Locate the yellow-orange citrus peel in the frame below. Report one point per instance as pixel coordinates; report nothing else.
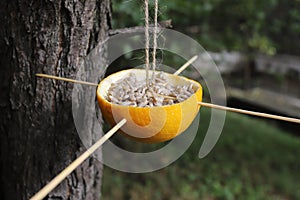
(150, 124)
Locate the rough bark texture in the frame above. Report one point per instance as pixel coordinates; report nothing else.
(37, 134)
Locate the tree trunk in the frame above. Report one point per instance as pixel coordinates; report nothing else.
(37, 133)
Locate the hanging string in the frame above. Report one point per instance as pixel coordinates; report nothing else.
(147, 40)
(154, 39)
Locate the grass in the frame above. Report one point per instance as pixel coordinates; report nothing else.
(252, 160)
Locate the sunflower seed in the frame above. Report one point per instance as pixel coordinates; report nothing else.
(131, 92)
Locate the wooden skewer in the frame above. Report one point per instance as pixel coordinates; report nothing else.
(259, 114)
(183, 67)
(52, 184)
(62, 175)
(66, 79)
(190, 61)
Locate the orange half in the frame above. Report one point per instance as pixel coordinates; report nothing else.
(150, 124)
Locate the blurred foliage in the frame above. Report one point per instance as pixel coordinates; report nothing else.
(247, 163)
(270, 26)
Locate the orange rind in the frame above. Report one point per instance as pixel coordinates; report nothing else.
(150, 124)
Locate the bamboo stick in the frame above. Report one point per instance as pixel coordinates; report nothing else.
(258, 114)
(62, 175)
(66, 79)
(52, 184)
(183, 67)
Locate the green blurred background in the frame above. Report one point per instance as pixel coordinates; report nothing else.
(254, 158)
(270, 26)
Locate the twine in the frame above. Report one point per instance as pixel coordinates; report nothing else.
(147, 40)
(154, 40)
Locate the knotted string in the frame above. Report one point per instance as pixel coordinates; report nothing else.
(154, 40)
(147, 40)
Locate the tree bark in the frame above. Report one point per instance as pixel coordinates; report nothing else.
(37, 133)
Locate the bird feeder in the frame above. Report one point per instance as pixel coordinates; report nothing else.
(150, 124)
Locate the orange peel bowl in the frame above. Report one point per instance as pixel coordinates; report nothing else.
(150, 124)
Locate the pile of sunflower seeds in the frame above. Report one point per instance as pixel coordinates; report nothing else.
(131, 92)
